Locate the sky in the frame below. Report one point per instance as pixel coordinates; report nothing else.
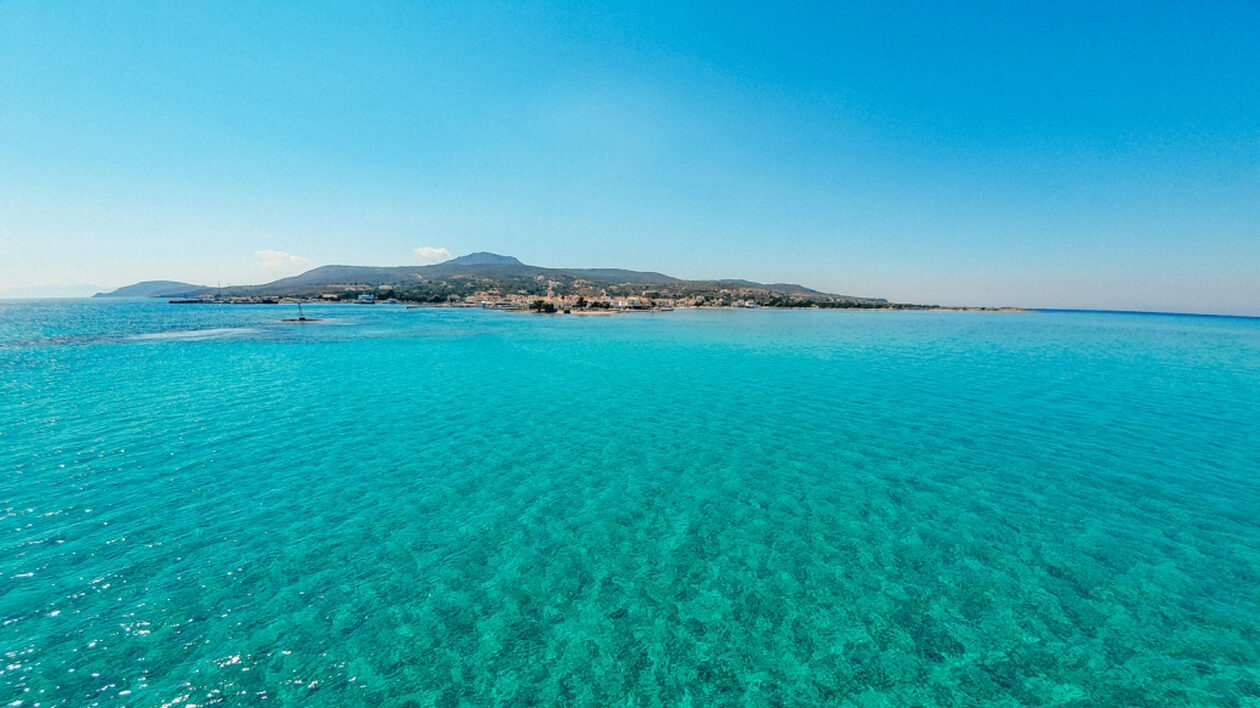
(1059, 154)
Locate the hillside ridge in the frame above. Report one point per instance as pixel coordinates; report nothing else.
(485, 277)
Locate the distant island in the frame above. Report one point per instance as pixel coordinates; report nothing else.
(492, 280)
(154, 288)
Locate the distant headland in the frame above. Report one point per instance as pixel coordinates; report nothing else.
(491, 280)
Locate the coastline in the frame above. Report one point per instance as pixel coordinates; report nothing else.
(600, 311)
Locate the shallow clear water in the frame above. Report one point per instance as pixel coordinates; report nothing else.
(200, 504)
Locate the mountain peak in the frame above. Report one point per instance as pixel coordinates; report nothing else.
(484, 258)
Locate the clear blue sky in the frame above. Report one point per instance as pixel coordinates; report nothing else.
(1040, 154)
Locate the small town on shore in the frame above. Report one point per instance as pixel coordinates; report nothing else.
(574, 304)
(492, 281)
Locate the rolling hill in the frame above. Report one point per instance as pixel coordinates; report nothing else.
(493, 275)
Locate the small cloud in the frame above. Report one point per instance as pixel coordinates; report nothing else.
(429, 254)
(277, 260)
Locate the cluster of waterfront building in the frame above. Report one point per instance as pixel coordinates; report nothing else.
(567, 303)
(501, 301)
(524, 301)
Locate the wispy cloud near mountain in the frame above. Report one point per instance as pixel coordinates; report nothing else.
(431, 254)
(279, 260)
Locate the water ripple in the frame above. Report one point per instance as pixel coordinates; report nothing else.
(750, 508)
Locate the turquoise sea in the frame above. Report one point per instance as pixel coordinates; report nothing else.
(201, 505)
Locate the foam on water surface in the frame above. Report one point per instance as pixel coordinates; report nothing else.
(196, 334)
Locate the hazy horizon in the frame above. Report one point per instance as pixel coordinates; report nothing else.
(1061, 156)
(87, 291)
